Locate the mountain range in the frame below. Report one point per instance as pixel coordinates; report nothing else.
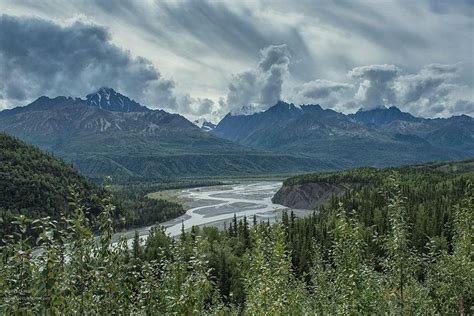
(377, 137)
(107, 133)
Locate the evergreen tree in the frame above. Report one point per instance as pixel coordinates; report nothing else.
(451, 276)
(136, 246)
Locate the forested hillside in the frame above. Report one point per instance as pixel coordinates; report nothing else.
(37, 185)
(374, 175)
(403, 244)
(431, 193)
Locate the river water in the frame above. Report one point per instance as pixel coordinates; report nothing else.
(216, 205)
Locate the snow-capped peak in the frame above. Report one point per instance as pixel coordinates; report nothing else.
(110, 100)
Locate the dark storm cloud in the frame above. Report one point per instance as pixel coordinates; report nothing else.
(200, 44)
(235, 31)
(40, 57)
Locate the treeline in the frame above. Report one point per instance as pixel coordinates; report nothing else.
(288, 268)
(374, 176)
(135, 209)
(359, 175)
(165, 184)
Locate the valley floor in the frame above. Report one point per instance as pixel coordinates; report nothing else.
(216, 206)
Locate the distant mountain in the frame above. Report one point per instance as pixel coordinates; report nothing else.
(105, 98)
(382, 115)
(63, 117)
(108, 99)
(121, 138)
(378, 137)
(455, 132)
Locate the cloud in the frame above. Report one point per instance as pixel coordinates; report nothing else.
(211, 39)
(463, 107)
(321, 89)
(200, 44)
(434, 90)
(242, 90)
(431, 81)
(439, 69)
(431, 91)
(257, 90)
(40, 57)
(230, 29)
(273, 66)
(194, 108)
(375, 88)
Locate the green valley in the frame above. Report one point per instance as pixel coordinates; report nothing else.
(399, 242)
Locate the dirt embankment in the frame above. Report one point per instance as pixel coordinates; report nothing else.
(308, 195)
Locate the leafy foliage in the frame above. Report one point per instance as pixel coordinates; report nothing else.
(258, 270)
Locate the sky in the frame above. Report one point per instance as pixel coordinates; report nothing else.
(204, 59)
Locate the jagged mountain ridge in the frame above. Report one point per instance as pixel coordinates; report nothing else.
(383, 115)
(104, 98)
(378, 137)
(73, 117)
(110, 100)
